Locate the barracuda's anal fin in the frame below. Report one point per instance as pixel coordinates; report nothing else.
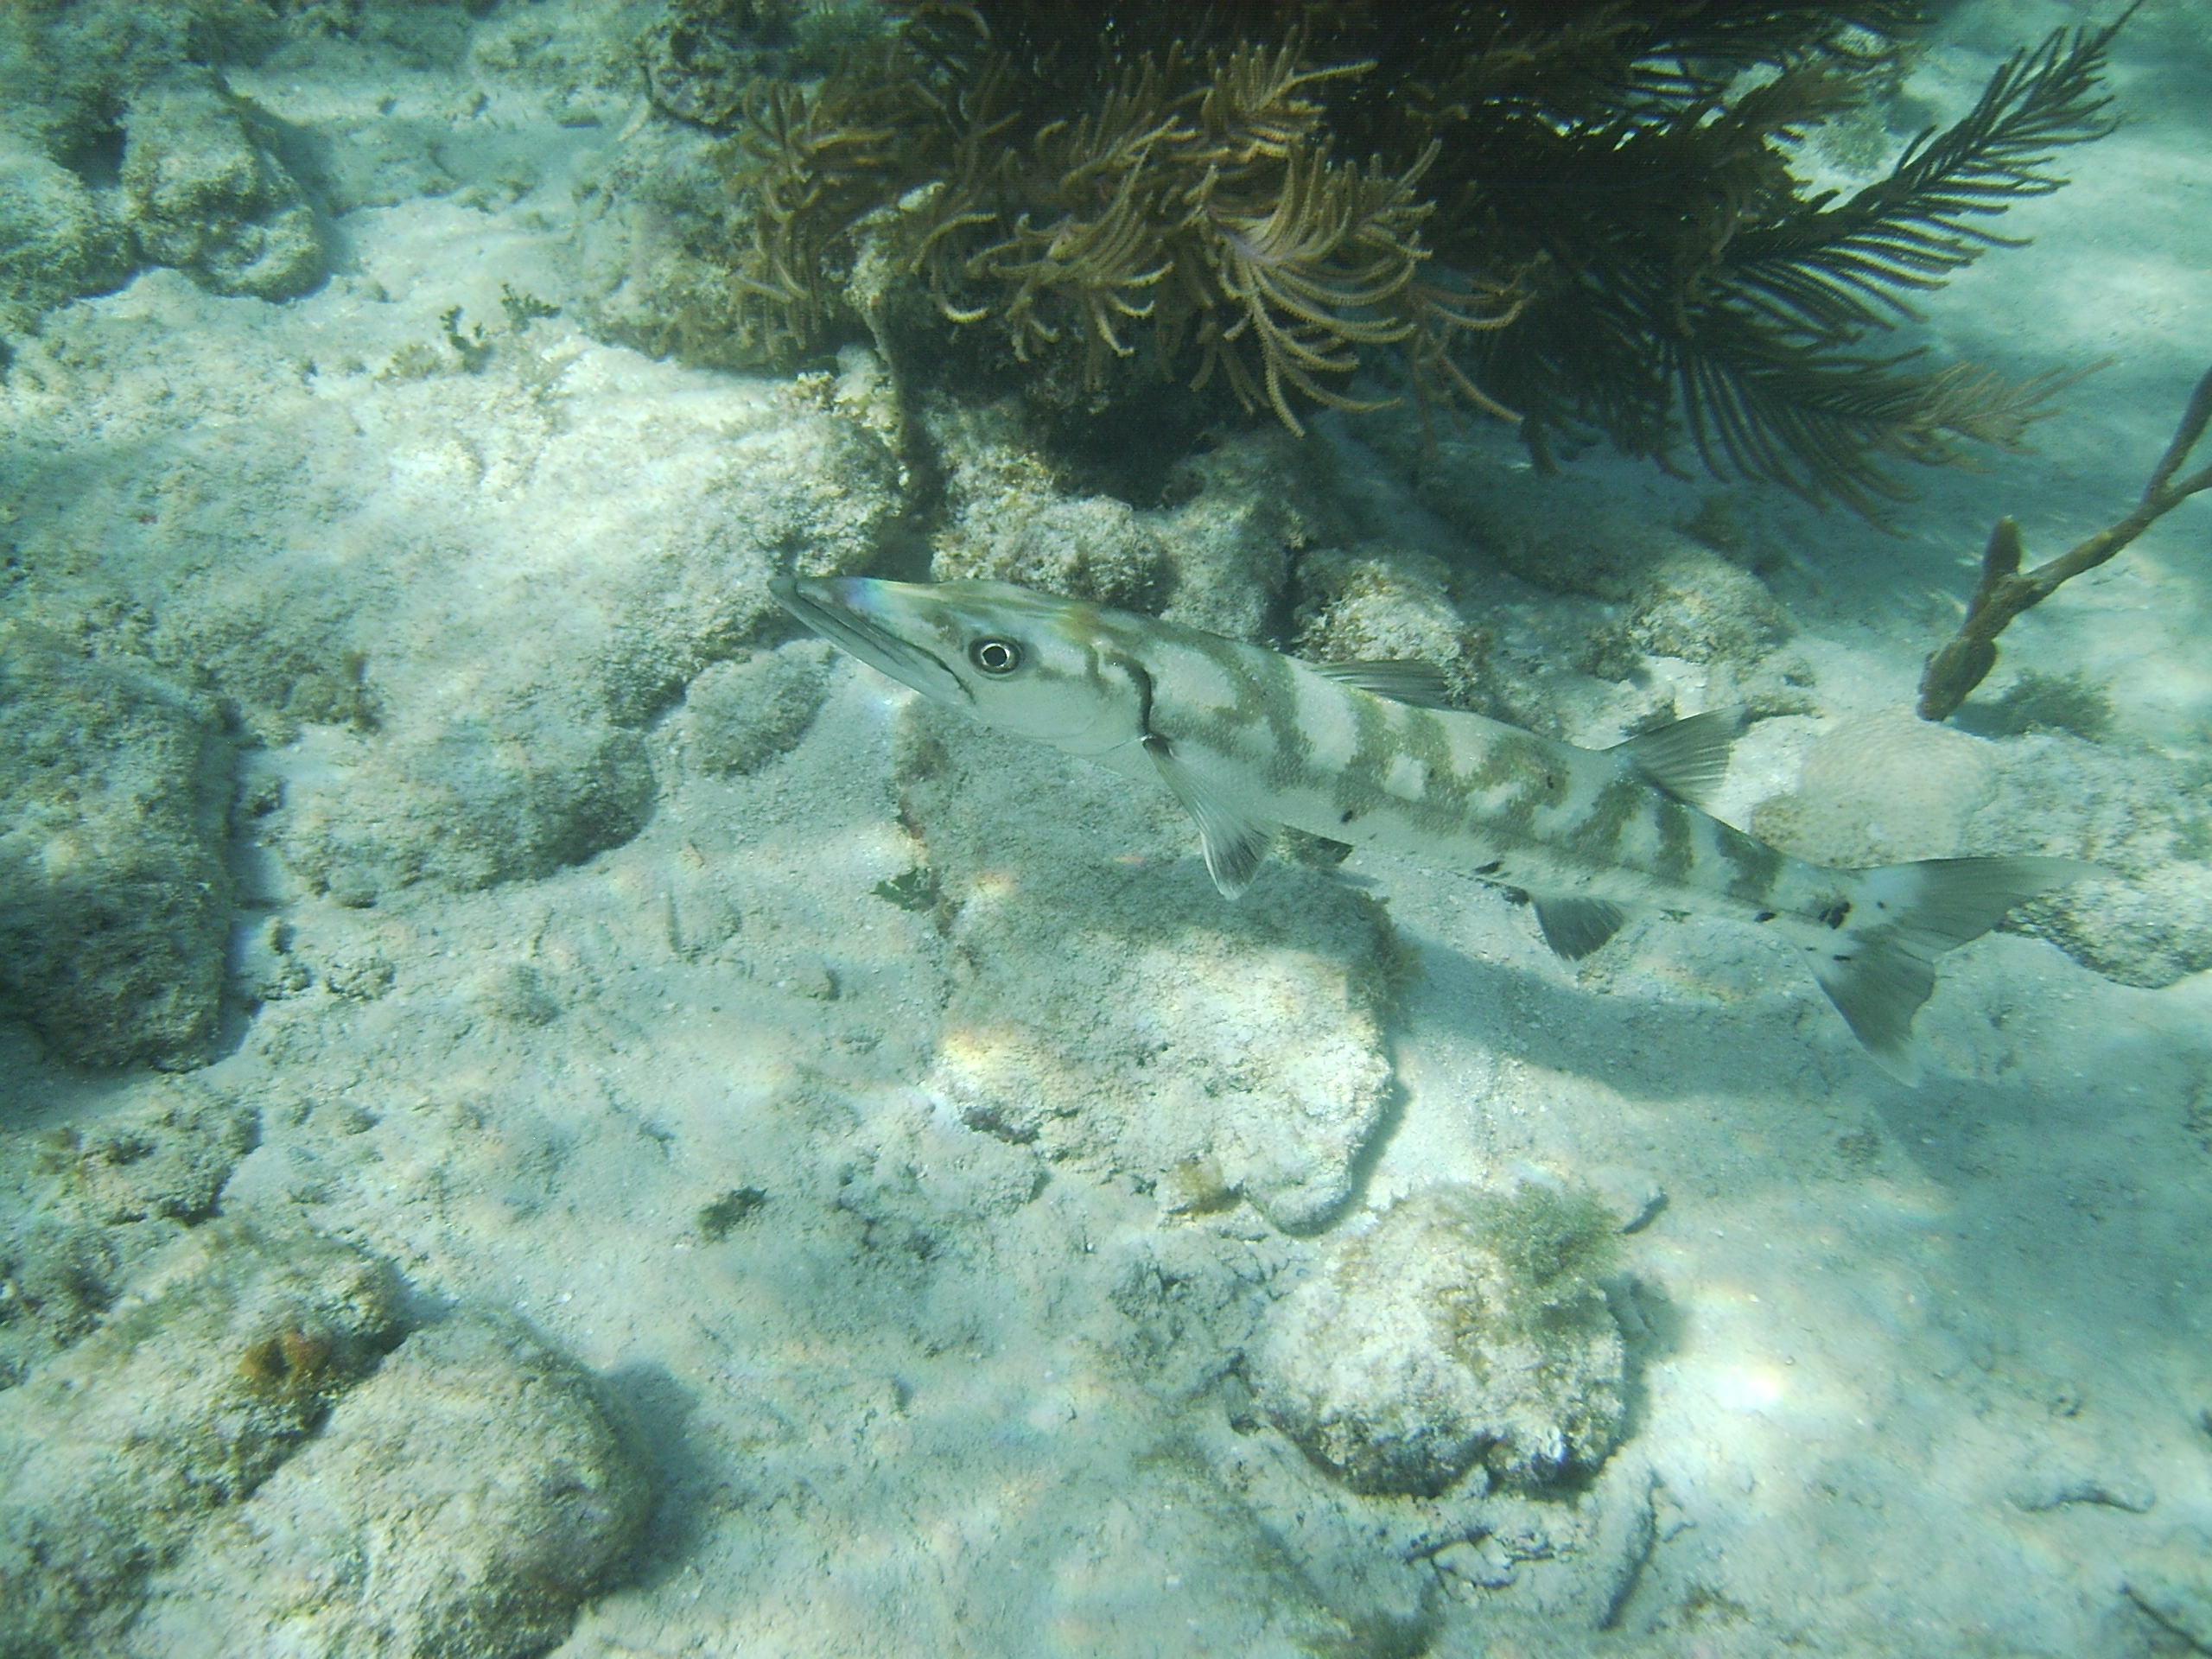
(1687, 759)
(1421, 684)
(1235, 843)
(1575, 927)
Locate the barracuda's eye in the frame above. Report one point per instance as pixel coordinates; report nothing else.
(995, 655)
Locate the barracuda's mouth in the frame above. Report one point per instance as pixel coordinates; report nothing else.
(827, 605)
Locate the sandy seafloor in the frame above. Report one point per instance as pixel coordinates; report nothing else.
(1919, 1370)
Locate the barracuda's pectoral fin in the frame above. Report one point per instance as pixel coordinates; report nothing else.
(1236, 843)
(1421, 684)
(1688, 758)
(1575, 927)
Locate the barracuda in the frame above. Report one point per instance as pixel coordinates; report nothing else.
(1250, 741)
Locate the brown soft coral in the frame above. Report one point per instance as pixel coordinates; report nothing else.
(1587, 214)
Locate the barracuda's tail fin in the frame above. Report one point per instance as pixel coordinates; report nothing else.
(1876, 959)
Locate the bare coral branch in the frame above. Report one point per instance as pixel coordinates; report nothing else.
(2006, 590)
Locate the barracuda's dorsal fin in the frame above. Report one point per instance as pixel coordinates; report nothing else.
(1689, 757)
(1236, 844)
(1575, 927)
(1421, 684)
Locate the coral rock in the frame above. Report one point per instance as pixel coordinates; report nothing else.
(59, 243)
(1380, 603)
(462, 1501)
(738, 716)
(1879, 791)
(115, 898)
(204, 195)
(1464, 1328)
(217, 1364)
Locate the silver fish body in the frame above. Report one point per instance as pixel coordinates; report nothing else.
(1251, 740)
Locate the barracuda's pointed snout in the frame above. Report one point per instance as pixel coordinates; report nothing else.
(815, 599)
(1055, 669)
(864, 617)
(792, 591)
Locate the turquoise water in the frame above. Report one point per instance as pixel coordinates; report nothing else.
(545, 1110)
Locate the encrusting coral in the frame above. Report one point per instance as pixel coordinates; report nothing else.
(1583, 217)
